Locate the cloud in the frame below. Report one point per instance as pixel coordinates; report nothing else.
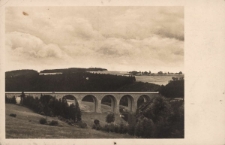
(143, 22)
(27, 44)
(28, 51)
(153, 47)
(115, 47)
(111, 37)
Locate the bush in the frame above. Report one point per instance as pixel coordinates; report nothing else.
(131, 129)
(54, 123)
(148, 126)
(96, 122)
(14, 100)
(97, 127)
(94, 126)
(139, 129)
(43, 121)
(106, 128)
(12, 115)
(116, 128)
(110, 118)
(10, 100)
(123, 128)
(111, 128)
(82, 124)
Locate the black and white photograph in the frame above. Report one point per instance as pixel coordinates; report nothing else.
(94, 72)
(108, 72)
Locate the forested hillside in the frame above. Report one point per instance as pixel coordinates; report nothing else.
(30, 80)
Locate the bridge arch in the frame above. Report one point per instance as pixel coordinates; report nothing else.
(70, 99)
(90, 99)
(109, 100)
(142, 99)
(126, 103)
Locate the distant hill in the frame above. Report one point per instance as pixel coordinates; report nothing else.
(19, 73)
(72, 70)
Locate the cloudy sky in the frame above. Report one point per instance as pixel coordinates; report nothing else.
(116, 38)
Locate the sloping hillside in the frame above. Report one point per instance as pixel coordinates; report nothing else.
(26, 125)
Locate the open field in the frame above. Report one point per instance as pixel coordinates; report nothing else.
(155, 79)
(26, 125)
(89, 107)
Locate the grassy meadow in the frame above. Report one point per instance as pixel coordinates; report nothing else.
(26, 125)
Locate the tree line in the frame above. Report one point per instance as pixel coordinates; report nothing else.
(174, 89)
(50, 106)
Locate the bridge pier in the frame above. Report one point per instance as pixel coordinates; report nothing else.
(79, 102)
(134, 106)
(98, 106)
(130, 103)
(117, 107)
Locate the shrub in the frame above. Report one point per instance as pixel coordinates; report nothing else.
(138, 129)
(14, 100)
(97, 127)
(12, 115)
(106, 128)
(148, 126)
(131, 129)
(94, 126)
(54, 123)
(43, 121)
(82, 124)
(10, 100)
(96, 122)
(116, 128)
(111, 127)
(122, 128)
(110, 118)
(144, 128)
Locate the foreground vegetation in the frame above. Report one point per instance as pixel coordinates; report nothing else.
(26, 125)
(50, 106)
(157, 118)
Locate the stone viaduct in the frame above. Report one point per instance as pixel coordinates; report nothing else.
(132, 98)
